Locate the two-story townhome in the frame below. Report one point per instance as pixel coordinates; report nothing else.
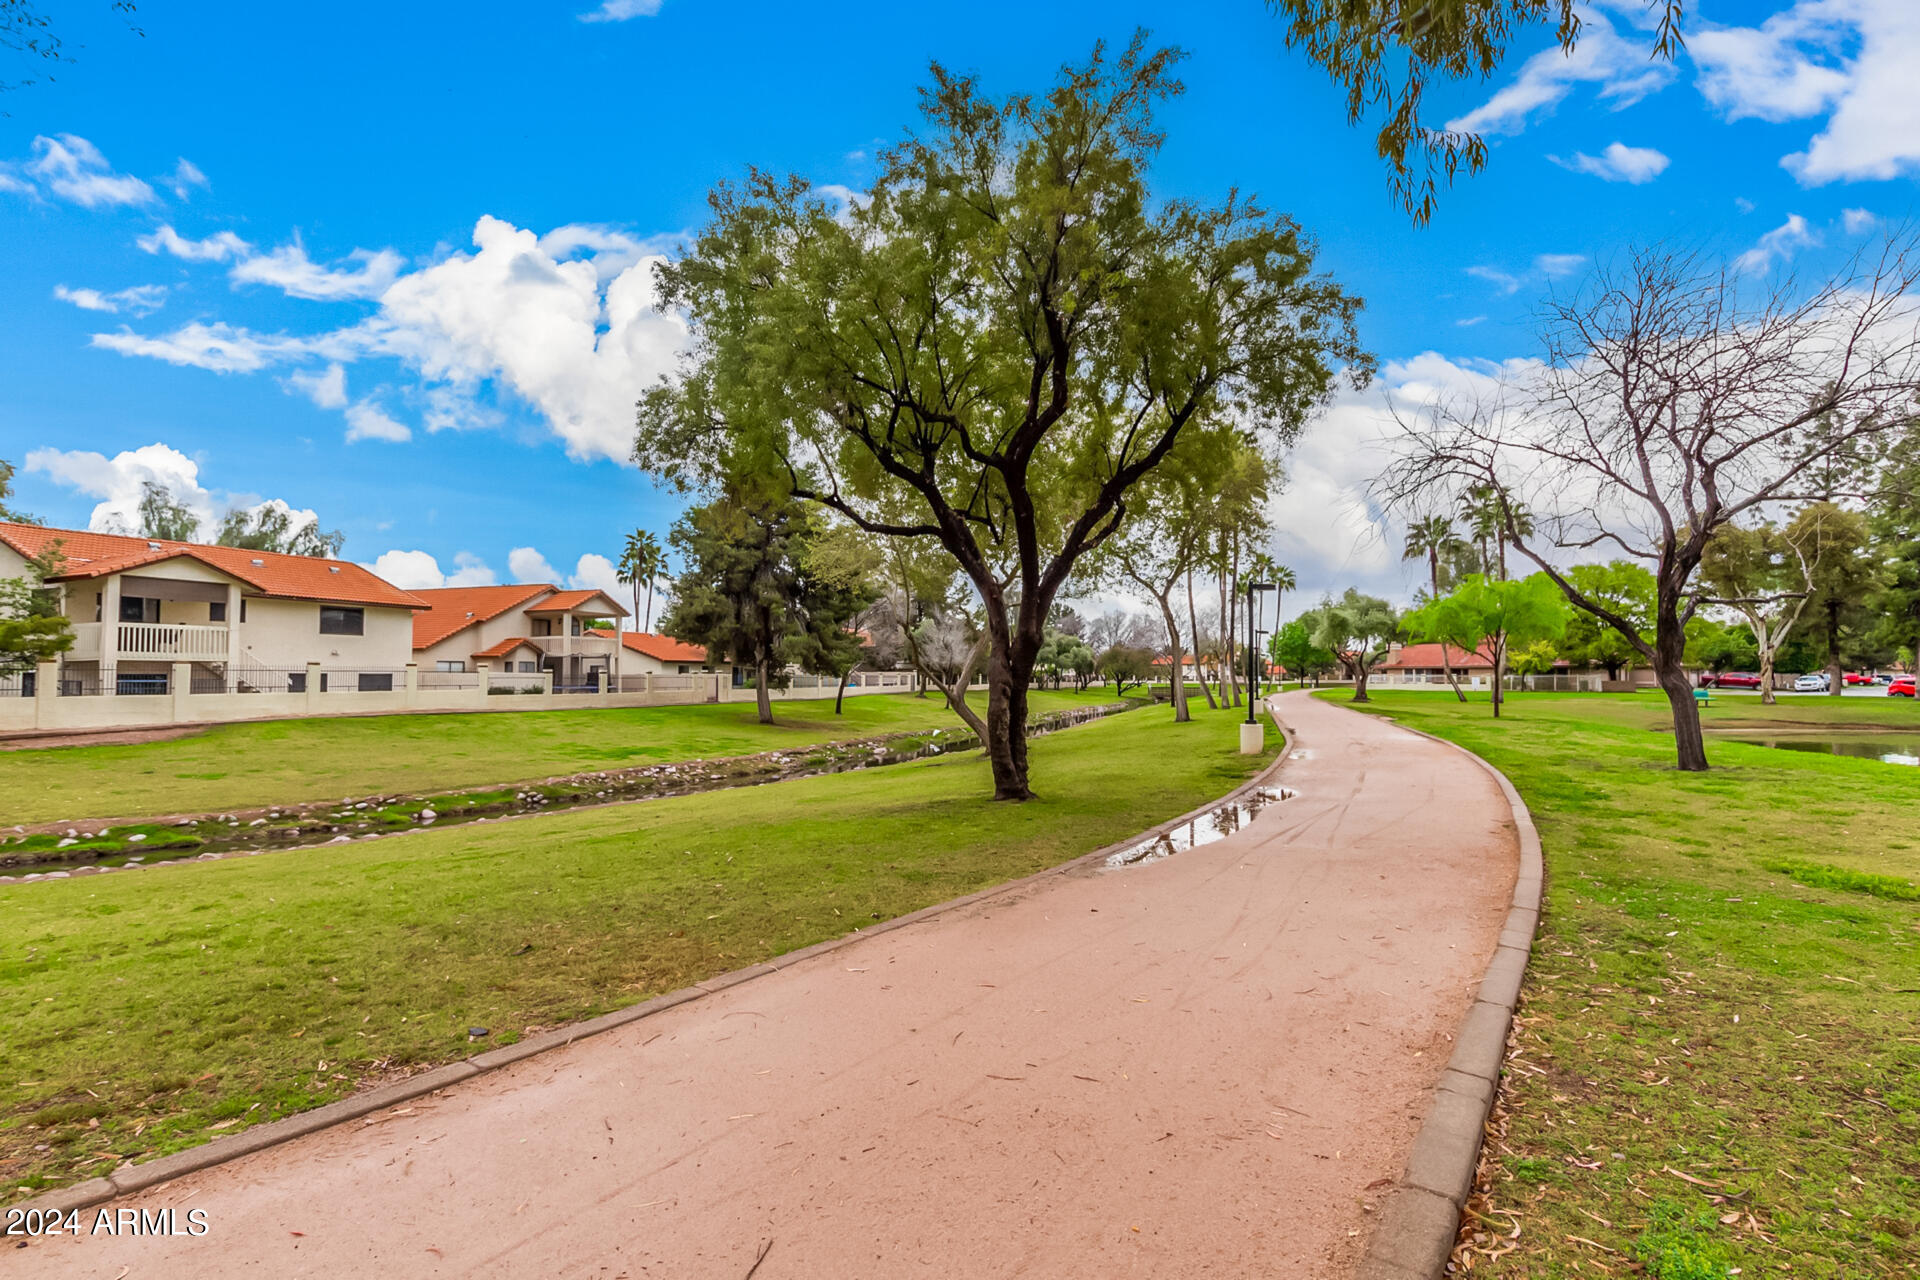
(241, 620)
(527, 628)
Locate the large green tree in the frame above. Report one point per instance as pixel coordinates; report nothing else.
(1766, 576)
(1843, 578)
(994, 345)
(743, 587)
(1624, 590)
(1358, 630)
(1494, 615)
(1432, 539)
(271, 527)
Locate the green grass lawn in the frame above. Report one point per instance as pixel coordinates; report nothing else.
(1720, 1030)
(288, 761)
(146, 1011)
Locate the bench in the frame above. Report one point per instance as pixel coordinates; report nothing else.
(1703, 696)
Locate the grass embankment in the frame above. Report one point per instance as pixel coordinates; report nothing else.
(1720, 1032)
(239, 766)
(146, 1012)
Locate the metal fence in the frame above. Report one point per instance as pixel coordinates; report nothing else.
(17, 684)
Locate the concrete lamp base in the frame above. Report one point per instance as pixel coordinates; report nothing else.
(1253, 739)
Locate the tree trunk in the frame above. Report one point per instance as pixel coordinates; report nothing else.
(1446, 661)
(1834, 676)
(1669, 668)
(763, 695)
(646, 623)
(1193, 618)
(1766, 670)
(1006, 737)
(1229, 669)
(1360, 674)
(841, 696)
(1499, 675)
(1178, 690)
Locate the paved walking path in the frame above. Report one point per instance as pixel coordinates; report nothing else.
(1200, 1066)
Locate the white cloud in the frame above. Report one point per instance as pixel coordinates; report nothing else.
(575, 337)
(597, 573)
(117, 482)
(1858, 221)
(1620, 67)
(1778, 244)
(1849, 61)
(327, 389)
(141, 299)
(621, 10)
(418, 570)
(73, 169)
(1328, 526)
(1744, 205)
(1618, 163)
(217, 247)
(290, 270)
(185, 177)
(1507, 282)
(547, 330)
(591, 572)
(1556, 265)
(10, 183)
(368, 421)
(1470, 321)
(528, 565)
(219, 347)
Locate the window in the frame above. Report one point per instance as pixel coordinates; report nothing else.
(139, 609)
(217, 611)
(376, 682)
(527, 668)
(243, 610)
(457, 664)
(338, 620)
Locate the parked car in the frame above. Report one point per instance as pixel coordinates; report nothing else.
(1812, 682)
(1735, 680)
(1902, 687)
(1852, 678)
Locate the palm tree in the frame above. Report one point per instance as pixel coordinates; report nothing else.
(642, 560)
(1489, 513)
(1428, 539)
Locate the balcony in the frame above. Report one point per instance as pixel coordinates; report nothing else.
(151, 641)
(576, 646)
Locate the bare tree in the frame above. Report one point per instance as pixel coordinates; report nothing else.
(1673, 397)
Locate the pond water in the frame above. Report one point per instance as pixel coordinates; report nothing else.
(1887, 748)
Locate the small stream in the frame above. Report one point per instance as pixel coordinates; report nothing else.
(58, 851)
(1215, 824)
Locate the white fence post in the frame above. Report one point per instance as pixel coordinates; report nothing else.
(412, 687)
(179, 685)
(313, 688)
(46, 694)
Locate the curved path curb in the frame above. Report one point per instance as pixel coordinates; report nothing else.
(1420, 1219)
(138, 1177)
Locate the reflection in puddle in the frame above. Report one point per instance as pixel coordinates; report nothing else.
(1205, 829)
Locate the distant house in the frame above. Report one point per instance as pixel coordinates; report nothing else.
(649, 654)
(1421, 660)
(522, 629)
(249, 621)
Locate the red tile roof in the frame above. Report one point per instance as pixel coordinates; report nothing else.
(1423, 656)
(268, 573)
(505, 647)
(662, 648)
(568, 601)
(454, 609)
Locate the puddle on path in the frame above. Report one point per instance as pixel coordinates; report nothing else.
(1213, 825)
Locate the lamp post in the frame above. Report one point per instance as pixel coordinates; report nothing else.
(1253, 594)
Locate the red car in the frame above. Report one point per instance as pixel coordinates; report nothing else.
(1854, 677)
(1902, 687)
(1735, 680)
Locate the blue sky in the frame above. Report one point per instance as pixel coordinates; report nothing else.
(391, 267)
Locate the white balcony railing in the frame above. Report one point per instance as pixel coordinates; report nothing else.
(172, 640)
(577, 646)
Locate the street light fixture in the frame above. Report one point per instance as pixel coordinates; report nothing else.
(1253, 591)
